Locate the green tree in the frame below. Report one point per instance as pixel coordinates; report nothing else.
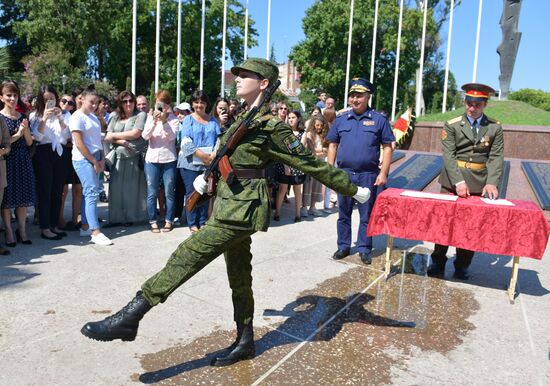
(11, 13)
(95, 36)
(321, 57)
(4, 62)
(537, 98)
(49, 67)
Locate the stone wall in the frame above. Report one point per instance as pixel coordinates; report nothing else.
(527, 142)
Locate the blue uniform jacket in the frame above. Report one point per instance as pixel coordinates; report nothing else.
(359, 138)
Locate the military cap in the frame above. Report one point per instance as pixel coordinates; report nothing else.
(361, 85)
(477, 92)
(264, 68)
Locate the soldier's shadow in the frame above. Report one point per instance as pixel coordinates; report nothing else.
(310, 318)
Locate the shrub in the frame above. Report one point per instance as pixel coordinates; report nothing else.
(537, 98)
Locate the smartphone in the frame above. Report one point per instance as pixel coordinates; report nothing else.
(224, 111)
(159, 106)
(50, 104)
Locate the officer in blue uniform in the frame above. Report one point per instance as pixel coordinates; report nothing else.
(355, 139)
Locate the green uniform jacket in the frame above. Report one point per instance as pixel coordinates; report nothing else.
(458, 142)
(245, 204)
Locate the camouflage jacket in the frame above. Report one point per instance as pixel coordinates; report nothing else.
(245, 204)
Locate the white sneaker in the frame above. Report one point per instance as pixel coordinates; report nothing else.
(85, 233)
(315, 212)
(303, 212)
(101, 239)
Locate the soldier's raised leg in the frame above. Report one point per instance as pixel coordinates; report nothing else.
(190, 257)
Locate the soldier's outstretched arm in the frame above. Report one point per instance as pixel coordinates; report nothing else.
(285, 147)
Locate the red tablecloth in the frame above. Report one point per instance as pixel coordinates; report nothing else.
(519, 230)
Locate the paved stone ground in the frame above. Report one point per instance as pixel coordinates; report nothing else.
(317, 321)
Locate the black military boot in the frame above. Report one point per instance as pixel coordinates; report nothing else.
(242, 348)
(122, 325)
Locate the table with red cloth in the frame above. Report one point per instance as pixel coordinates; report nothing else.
(469, 223)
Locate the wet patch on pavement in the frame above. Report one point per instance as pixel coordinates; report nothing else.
(371, 333)
(190, 363)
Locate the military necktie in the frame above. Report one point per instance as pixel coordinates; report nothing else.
(474, 128)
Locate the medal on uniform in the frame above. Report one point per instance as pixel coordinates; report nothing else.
(485, 140)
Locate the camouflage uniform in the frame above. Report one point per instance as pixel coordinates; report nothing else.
(240, 210)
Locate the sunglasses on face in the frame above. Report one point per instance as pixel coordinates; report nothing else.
(65, 101)
(283, 108)
(127, 101)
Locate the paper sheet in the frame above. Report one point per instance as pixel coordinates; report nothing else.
(433, 196)
(500, 201)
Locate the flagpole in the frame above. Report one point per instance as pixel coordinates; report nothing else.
(447, 59)
(373, 52)
(397, 61)
(418, 108)
(222, 88)
(134, 44)
(201, 70)
(178, 65)
(348, 62)
(268, 28)
(474, 77)
(157, 48)
(246, 32)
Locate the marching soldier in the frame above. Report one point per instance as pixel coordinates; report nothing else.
(241, 208)
(473, 154)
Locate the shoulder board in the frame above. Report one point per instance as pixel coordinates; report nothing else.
(455, 120)
(491, 120)
(272, 122)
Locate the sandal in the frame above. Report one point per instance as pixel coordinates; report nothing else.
(194, 229)
(155, 228)
(167, 227)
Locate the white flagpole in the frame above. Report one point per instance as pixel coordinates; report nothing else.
(421, 69)
(373, 53)
(223, 47)
(447, 59)
(246, 32)
(474, 77)
(201, 71)
(134, 44)
(348, 62)
(178, 65)
(157, 48)
(397, 61)
(268, 28)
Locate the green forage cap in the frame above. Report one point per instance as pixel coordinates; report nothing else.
(264, 68)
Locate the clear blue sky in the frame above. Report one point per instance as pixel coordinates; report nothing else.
(532, 61)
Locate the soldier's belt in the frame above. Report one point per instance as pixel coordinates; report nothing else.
(471, 165)
(250, 173)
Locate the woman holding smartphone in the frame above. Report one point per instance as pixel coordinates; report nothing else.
(220, 111)
(160, 160)
(88, 161)
(19, 193)
(50, 128)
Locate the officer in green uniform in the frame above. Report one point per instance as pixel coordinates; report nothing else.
(473, 155)
(240, 209)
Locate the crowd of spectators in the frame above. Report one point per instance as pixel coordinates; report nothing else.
(148, 154)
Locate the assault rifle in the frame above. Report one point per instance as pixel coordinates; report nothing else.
(220, 165)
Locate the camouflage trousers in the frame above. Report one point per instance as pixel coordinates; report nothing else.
(195, 253)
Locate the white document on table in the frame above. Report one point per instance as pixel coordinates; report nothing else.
(433, 196)
(500, 201)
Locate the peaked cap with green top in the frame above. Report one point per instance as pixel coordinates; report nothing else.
(264, 68)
